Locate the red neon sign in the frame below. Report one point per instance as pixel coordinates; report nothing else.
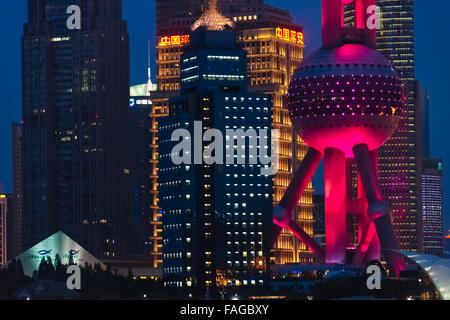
(174, 40)
(289, 35)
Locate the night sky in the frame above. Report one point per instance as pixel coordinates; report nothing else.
(432, 65)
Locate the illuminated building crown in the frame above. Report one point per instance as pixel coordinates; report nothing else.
(212, 19)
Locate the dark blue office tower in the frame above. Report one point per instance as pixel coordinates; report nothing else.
(75, 135)
(215, 209)
(140, 173)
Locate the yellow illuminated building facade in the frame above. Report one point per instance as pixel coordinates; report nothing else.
(273, 54)
(156, 237)
(140, 95)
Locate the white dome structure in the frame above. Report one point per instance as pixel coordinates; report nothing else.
(438, 269)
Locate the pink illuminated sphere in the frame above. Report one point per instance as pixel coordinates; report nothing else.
(345, 96)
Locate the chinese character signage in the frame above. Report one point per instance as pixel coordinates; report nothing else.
(174, 40)
(289, 35)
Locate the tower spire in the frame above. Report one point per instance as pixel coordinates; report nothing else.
(212, 19)
(149, 71)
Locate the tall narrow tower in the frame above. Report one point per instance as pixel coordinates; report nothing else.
(15, 218)
(75, 93)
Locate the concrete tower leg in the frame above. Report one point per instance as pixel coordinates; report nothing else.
(335, 206)
(369, 246)
(368, 235)
(373, 252)
(378, 210)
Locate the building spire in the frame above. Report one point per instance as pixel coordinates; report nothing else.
(149, 71)
(212, 19)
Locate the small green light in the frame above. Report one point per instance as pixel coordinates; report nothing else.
(440, 166)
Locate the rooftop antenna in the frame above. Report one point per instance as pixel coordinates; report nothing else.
(149, 70)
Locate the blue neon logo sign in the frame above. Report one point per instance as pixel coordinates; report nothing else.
(44, 252)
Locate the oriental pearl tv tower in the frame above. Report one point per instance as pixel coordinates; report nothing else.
(345, 101)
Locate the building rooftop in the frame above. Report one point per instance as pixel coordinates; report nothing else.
(212, 19)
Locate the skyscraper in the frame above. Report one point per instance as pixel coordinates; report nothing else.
(75, 137)
(424, 107)
(432, 207)
(432, 210)
(3, 245)
(400, 158)
(214, 214)
(15, 218)
(144, 171)
(274, 45)
(140, 169)
(9, 226)
(145, 115)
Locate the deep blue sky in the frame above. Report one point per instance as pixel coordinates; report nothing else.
(432, 64)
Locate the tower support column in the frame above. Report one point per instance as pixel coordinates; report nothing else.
(378, 211)
(373, 252)
(369, 245)
(335, 206)
(282, 214)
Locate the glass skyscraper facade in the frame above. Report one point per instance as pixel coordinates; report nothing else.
(400, 158)
(432, 207)
(14, 221)
(75, 136)
(140, 108)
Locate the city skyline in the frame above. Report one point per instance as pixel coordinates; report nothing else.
(325, 175)
(141, 21)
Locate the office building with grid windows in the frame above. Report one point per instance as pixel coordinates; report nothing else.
(214, 215)
(274, 46)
